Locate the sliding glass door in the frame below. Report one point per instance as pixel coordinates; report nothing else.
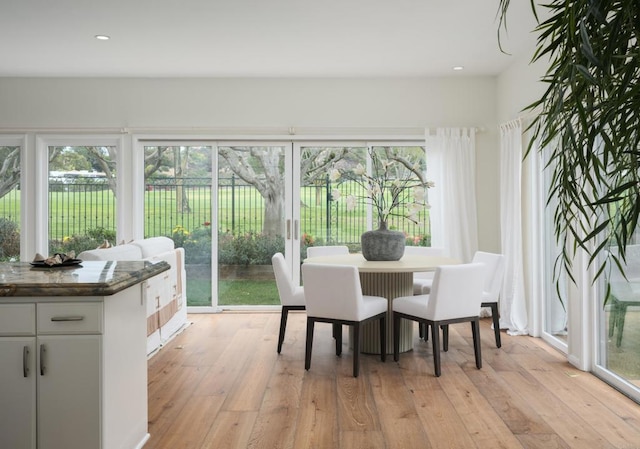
(254, 220)
(177, 204)
(233, 205)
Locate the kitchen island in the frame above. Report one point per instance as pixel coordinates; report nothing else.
(73, 365)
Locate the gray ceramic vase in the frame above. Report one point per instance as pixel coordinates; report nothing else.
(383, 244)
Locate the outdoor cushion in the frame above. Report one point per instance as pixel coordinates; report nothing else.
(121, 252)
(154, 245)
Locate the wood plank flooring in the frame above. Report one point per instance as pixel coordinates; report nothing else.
(220, 384)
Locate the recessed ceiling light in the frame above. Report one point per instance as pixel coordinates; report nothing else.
(458, 68)
(102, 37)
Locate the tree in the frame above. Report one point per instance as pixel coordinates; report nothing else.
(10, 169)
(262, 167)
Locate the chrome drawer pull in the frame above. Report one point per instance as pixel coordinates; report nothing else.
(25, 361)
(68, 318)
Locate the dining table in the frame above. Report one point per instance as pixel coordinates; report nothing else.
(389, 279)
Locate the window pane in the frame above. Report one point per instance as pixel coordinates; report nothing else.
(250, 220)
(177, 204)
(9, 203)
(621, 318)
(82, 201)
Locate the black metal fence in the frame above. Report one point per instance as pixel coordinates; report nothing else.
(80, 206)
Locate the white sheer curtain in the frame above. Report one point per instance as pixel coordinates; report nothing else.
(451, 165)
(513, 304)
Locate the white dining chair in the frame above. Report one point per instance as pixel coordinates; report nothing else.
(291, 296)
(422, 280)
(494, 276)
(331, 250)
(455, 297)
(334, 295)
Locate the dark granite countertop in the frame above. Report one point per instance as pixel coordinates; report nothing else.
(90, 278)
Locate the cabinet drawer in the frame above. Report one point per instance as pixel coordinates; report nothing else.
(70, 318)
(17, 319)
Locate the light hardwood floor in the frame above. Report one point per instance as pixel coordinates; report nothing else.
(220, 384)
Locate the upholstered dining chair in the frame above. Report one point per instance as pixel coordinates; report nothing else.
(494, 275)
(334, 295)
(422, 280)
(455, 297)
(332, 250)
(291, 296)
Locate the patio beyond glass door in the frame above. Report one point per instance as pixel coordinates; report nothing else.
(253, 219)
(324, 213)
(177, 204)
(323, 219)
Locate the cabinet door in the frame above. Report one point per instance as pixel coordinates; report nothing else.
(18, 392)
(69, 392)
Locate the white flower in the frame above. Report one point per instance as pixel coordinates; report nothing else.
(352, 202)
(335, 194)
(386, 187)
(414, 208)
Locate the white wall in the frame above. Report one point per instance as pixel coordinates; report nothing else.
(518, 87)
(273, 105)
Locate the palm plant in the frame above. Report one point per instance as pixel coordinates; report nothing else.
(588, 119)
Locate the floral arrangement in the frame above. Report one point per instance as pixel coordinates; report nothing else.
(385, 186)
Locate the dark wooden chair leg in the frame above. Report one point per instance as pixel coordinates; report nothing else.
(396, 336)
(495, 316)
(435, 337)
(338, 337)
(475, 330)
(283, 324)
(307, 356)
(445, 337)
(383, 338)
(612, 316)
(356, 349)
(337, 328)
(622, 313)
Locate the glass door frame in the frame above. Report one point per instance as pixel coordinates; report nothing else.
(289, 224)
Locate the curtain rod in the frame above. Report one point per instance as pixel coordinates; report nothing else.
(388, 133)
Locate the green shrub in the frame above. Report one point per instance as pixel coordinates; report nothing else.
(78, 243)
(248, 249)
(9, 239)
(245, 249)
(196, 244)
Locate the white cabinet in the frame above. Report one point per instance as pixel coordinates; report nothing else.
(18, 392)
(69, 391)
(73, 372)
(18, 376)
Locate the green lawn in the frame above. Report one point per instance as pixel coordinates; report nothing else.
(233, 292)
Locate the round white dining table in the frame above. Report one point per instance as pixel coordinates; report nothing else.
(389, 279)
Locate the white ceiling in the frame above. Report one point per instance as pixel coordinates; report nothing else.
(258, 38)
